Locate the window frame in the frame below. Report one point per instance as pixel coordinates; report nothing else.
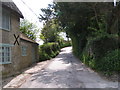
(24, 50)
(7, 13)
(4, 51)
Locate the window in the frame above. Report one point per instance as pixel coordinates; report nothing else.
(5, 20)
(24, 50)
(5, 53)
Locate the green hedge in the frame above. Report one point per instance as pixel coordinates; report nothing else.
(48, 51)
(110, 63)
(65, 44)
(101, 54)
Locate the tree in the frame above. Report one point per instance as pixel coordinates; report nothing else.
(49, 32)
(28, 29)
(72, 17)
(48, 13)
(79, 20)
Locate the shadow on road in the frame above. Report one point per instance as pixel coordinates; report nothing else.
(66, 71)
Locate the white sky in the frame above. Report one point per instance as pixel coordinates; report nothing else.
(35, 5)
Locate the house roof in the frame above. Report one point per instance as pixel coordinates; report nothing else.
(25, 38)
(11, 5)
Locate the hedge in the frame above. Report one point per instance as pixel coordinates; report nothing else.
(48, 51)
(101, 54)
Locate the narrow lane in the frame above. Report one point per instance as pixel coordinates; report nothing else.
(66, 71)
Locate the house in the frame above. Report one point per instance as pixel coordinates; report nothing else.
(17, 51)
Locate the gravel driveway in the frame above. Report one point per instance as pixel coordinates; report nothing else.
(66, 71)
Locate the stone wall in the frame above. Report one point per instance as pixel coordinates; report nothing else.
(8, 38)
(18, 62)
(32, 51)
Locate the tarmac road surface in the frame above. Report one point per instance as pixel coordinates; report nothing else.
(66, 71)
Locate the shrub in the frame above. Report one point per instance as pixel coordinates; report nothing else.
(65, 44)
(101, 54)
(101, 45)
(48, 51)
(110, 63)
(43, 56)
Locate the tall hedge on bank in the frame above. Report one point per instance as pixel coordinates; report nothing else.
(101, 54)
